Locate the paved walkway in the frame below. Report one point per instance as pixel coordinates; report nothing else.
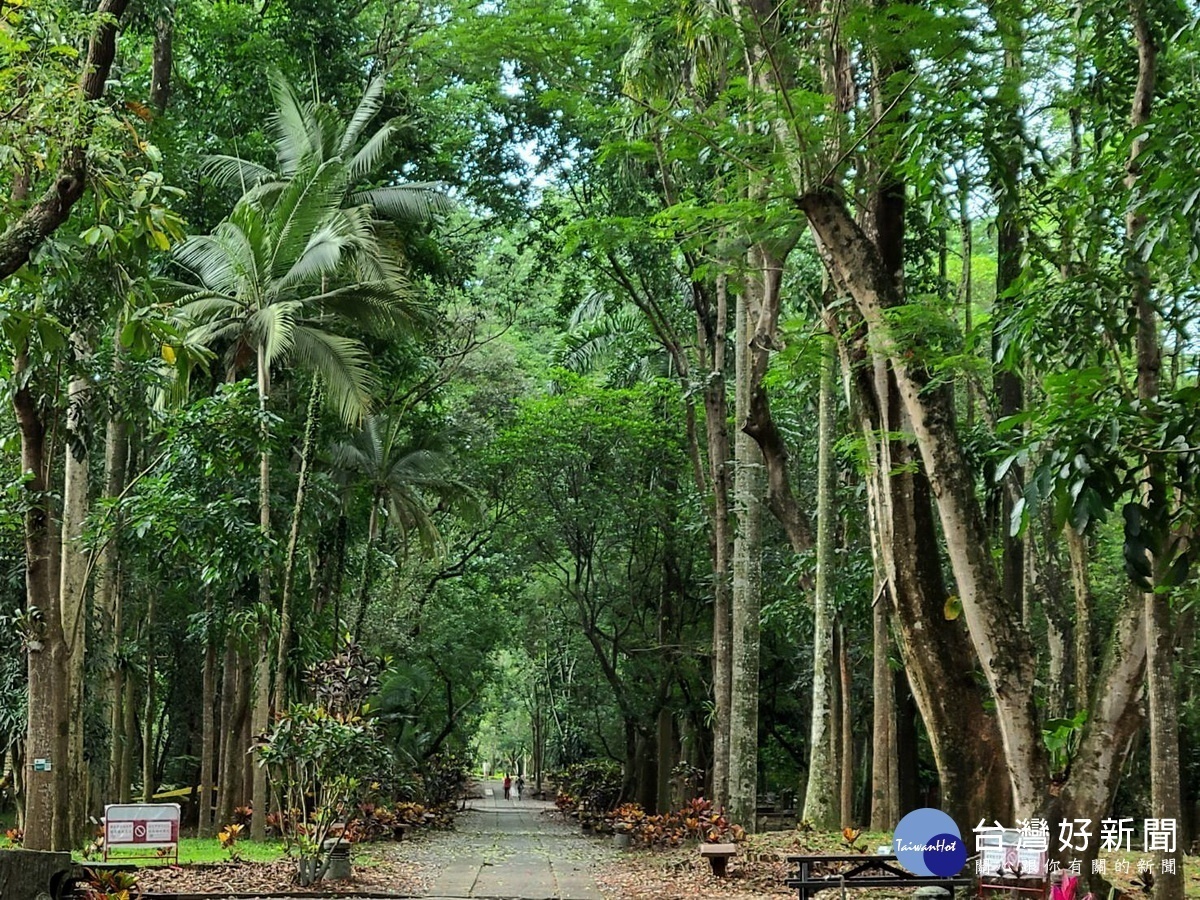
(511, 850)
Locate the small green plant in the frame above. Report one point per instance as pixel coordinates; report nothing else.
(101, 885)
(850, 838)
(1062, 738)
(228, 837)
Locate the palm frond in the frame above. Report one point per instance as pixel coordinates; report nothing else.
(594, 343)
(221, 262)
(203, 306)
(308, 200)
(368, 107)
(233, 171)
(416, 202)
(343, 364)
(591, 307)
(273, 328)
(382, 308)
(366, 160)
(325, 252)
(289, 123)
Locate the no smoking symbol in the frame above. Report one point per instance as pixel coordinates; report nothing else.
(139, 831)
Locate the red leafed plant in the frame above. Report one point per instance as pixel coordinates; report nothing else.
(696, 821)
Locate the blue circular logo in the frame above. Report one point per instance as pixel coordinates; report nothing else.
(928, 842)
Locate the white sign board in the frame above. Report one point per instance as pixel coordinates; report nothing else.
(136, 825)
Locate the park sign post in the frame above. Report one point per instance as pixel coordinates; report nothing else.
(137, 826)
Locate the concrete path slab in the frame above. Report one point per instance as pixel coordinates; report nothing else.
(511, 850)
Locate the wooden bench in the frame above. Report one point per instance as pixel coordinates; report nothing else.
(859, 870)
(718, 856)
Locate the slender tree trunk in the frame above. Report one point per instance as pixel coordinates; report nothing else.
(289, 569)
(716, 414)
(364, 585)
(73, 572)
(747, 576)
(148, 785)
(820, 798)
(884, 775)
(260, 722)
(116, 726)
(261, 717)
(128, 739)
(107, 600)
(846, 757)
(665, 746)
(1007, 157)
(229, 773)
(1162, 701)
(204, 824)
(966, 286)
(162, 57)
(1077, 550)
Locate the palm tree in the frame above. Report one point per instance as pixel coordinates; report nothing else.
(306, 134)
(401, 473)
(295, 233)
(273, 281)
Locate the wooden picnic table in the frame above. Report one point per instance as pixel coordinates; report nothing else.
(861, 870)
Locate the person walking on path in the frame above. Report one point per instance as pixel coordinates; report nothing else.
(507, 786)
(520, 785)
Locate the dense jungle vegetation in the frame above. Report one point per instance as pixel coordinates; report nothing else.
(766, 398)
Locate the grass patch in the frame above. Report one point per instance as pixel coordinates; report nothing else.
(206, 851)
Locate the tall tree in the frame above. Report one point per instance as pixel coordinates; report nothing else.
(270, 281)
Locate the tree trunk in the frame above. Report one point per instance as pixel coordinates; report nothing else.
(885, 810)
(73, 575)
(289, 569)
(260, 722)
(938, 658)
(364, 584)
(1162, 700)
(665, 742)
(820, 798)
(846, 718)
(1077, 550)
(1006, 151)
(46, 742)
(107, 599)
(716, 413)
(1004, 647)
(1114, 719)
(128, 739)
(204, 824)
(747, 575)
(148, 711)
(162, 57)
(229, 762)
(261, 717)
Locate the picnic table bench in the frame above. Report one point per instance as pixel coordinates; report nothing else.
(860, 870)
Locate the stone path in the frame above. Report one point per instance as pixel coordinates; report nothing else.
(511, 850)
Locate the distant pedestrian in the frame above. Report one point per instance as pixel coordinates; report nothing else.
(520, 785)
(507, 786)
